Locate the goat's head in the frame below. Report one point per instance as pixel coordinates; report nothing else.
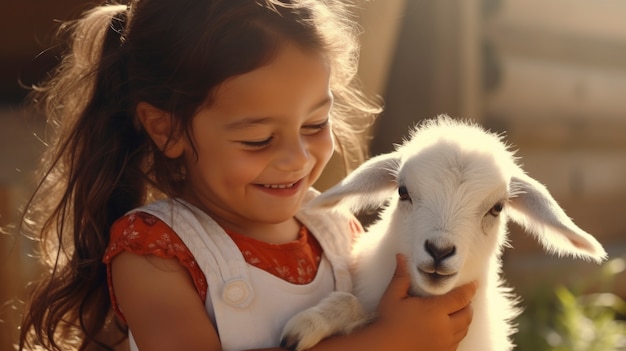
(450, 189)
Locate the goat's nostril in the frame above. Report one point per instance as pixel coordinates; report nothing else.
(439, 253)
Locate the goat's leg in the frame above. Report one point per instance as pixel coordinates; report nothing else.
(339, 313)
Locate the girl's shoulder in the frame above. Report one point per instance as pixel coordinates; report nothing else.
(143, 234)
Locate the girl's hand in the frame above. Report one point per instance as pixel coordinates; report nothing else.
(437, 323)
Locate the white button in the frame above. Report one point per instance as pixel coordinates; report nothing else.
(237, 293)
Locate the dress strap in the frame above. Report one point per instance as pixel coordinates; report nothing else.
(196, 229)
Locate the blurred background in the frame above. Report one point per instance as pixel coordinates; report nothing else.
(549, 73)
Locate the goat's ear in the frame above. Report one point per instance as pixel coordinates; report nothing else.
(368, 186)
(533, 207)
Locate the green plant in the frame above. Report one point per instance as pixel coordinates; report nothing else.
(564, 318)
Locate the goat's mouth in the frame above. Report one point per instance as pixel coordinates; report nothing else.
(438, 278)
(436, 275)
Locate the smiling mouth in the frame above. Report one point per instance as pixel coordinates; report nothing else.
(279, 186)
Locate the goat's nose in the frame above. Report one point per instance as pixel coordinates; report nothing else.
(439, 253)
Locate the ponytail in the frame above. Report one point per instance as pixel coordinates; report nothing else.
(92, 177)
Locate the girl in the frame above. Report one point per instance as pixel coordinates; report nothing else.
(189, 136)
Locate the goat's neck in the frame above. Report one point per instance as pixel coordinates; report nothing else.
(493, 311)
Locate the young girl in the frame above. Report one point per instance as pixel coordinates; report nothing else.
(189, 136)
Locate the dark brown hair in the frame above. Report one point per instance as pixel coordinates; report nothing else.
(101, 164)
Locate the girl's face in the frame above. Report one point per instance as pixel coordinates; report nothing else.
(263, 142)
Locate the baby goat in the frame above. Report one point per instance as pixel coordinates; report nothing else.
(448, 192)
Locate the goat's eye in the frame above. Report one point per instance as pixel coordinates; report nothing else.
(403, 193)
(496, 209)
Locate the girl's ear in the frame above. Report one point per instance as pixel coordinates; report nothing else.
(159, 125)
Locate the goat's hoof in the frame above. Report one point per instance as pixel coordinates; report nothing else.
(290, 342)
(304, 331)
(296, 343)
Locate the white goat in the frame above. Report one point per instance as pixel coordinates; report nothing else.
(449, 191)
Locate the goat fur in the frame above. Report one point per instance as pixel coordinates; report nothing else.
(454, 177)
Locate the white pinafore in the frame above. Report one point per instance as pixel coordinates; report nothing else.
(249, 306)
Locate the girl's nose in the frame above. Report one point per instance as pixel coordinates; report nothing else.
(293, 155)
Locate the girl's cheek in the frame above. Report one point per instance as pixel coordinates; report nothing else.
(247, 168)
(329, 144)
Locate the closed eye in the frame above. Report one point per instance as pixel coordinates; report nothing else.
(315, 128)
(257, 144)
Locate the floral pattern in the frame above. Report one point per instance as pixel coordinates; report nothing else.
(295, 262)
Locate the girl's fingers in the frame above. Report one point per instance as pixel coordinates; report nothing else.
(460, 321)
(401, 280)
(457, 299)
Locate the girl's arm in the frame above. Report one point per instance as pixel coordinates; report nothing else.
(161, 304)
(162, 308)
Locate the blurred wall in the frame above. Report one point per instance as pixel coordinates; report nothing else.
(26, 29)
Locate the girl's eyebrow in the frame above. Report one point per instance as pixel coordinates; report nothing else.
(248, 121)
